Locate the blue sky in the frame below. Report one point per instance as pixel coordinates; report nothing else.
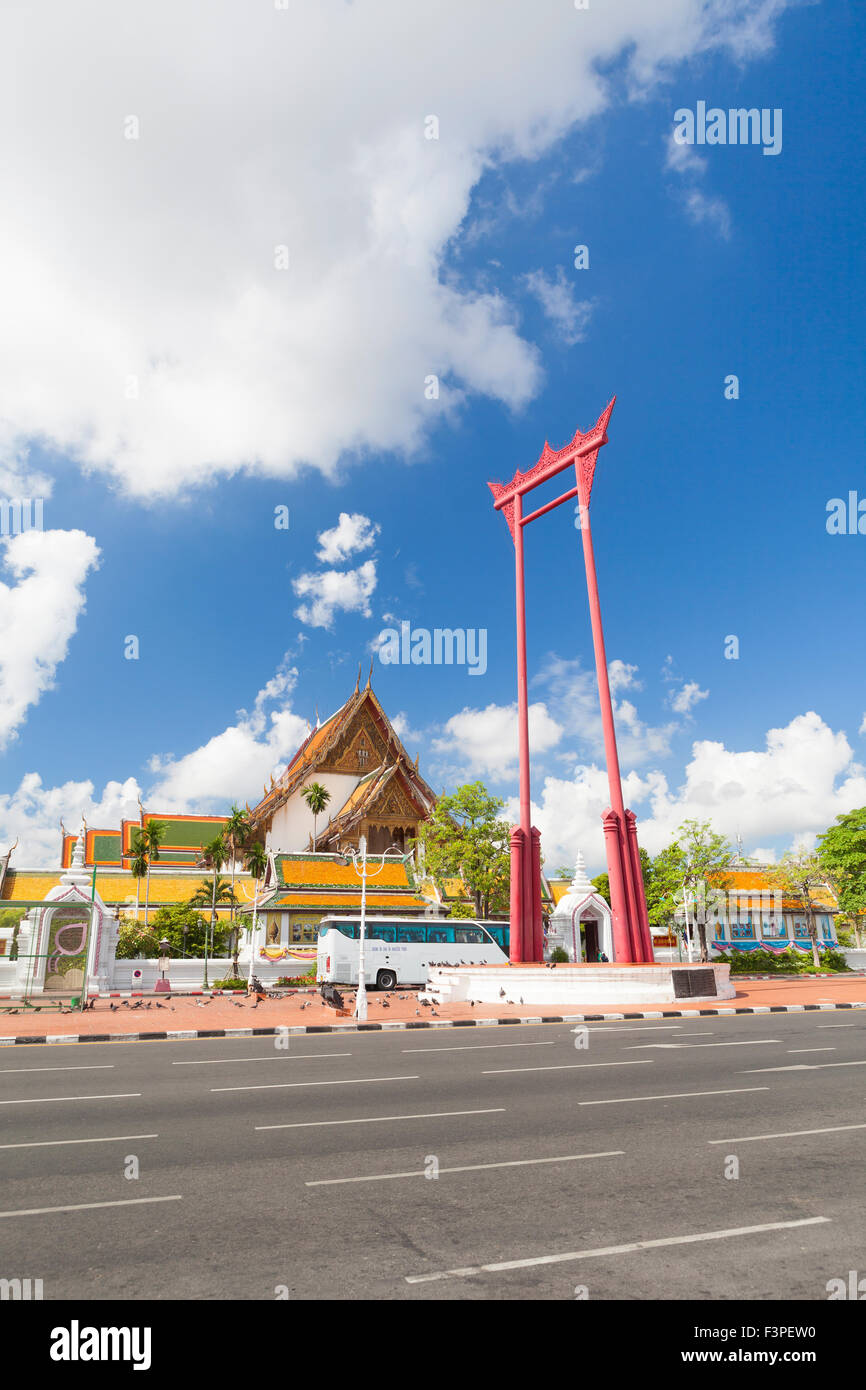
(708, 514)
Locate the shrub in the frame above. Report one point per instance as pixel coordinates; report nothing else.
(559, 955)
(293, 981)
(230, 983)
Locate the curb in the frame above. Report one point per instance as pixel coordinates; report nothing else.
(185, 1035)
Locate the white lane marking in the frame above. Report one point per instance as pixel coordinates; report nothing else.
(616, 1249)
(99, 1066)
(572, 1066)
(747, 1042)
(288, 1085)
(89, 1206)
(805, 1066)
(659, 1028)
(674, 1095)
(837, 1025)
(380, 1119)
(811, 1049)
(465, 1168)
(53, 1143)
(46, 1100)
(789, 1134)
(287, 1057)
(478, 1047)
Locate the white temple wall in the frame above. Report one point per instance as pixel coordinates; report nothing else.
(292, 825)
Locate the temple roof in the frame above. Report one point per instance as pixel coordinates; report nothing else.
(334, 747)
(326, 881)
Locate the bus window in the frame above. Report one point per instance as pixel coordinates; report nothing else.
(473, 936)
(378, 932)
(500, 936)
(411, 934)
(440, 934)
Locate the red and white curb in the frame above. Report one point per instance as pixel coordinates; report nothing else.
(182, 1034)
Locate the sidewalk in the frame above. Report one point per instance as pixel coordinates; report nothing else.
(155, 1018)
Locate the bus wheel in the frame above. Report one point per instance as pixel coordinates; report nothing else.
(386, 979)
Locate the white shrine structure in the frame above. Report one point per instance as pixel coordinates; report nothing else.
(581, 922)
(68, 938)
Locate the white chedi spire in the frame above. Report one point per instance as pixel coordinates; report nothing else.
(580, 883)
(77, 873)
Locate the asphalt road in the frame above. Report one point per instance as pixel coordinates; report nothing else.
(305, 1171)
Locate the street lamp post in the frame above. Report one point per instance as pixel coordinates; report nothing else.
(356, 857)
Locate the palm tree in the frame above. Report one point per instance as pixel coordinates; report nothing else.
(317, 798)
(138, 864)
(152, 837)
(256, 862)
(213, 856)
(236, 832)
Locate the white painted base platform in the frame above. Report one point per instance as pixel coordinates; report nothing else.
(572, 984)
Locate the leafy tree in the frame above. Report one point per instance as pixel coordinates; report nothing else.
(135, 939)
(601, 884)
(256, 861)
(152, 837)
(693, 865)
(797, 875)
(464, 838)
(138, 864)
(317, 798)
(213, 856)
(185, 929)
(842, 853)
(236, 832)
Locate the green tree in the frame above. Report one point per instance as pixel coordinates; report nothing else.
(465, 838)
(256, 861)
(842, 852)
(135, 939)
(153, 835)
(138, 866)
(236, 832)
(185, 929)
(695, 864)
(317, 798)
(213, 856)
(797, 875)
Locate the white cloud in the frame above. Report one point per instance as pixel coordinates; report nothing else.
(156, 340)
(38, 615)
(353, 532)
(683, 701)
(32, 815)
(573, 698)
(792, 789)
(346, 591)
(484, 741)
(569, 315)
(622, 676)
(713, 211)
(404, 731)
(862, 729)
(682, 159)
(235, 764)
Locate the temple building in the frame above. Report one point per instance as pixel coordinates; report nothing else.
(375, 789)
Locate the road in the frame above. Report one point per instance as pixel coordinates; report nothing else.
(303, 1172)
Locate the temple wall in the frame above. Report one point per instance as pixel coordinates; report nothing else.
(293, 822)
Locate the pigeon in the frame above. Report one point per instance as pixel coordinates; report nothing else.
(521, 998)
(472, 1003)
(159, 1006)
(509, 1001)
(417, 1013)
(113, 1008)
(502, 994)
(385, 1004)
(124, 1003)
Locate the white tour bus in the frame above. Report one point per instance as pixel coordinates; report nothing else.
(399, 950)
